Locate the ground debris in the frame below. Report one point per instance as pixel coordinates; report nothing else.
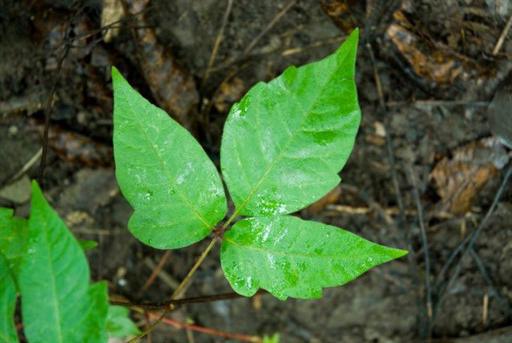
(459, 179)
(111, 13)
(229, 92)
(172, 86)
(74, 147)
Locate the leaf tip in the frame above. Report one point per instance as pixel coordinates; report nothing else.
(355, 32)
(117, 76)
(353, 38)
(36, 190)
(394, 254)
(399, 253)
(115, 72)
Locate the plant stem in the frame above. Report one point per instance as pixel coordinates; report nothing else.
(211, 331)
(181, 287)
(201, 258)
(173, 304)
(177, 292)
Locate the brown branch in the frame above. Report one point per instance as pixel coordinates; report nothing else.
(173, 304)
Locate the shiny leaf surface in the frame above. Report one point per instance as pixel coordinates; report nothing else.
(291, 257)
(58, 305)
(285, 141)
(163, 172)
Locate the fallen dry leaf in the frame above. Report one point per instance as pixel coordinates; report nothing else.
(228, 93)
(340, 11)
(434, 65)
(172, 86)
(459, 179)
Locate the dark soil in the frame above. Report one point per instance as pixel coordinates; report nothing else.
(54, 49)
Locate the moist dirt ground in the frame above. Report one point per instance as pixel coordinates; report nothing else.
(426, 157)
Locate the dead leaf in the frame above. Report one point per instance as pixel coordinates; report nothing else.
(172, 85)
(458, 180)
(436, 66)
(76, 148)
(228, 93)
(340, 11)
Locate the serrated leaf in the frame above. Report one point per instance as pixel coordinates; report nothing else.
(285, 141)
(8, 332)
(119, 323)
(58, 305)
(13, 238)
(291, 257)
(163, 172)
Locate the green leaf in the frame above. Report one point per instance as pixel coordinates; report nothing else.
(285, 141)
(119, 323)
(13, 238)
(7, 303)
(291, 257)
(58, 305)
(271, 339)
(87, 244)
(163, 172)
(96, 314)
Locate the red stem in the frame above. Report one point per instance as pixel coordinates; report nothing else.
(209, 331)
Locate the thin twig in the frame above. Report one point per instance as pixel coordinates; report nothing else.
(216, 45)
(211, 331)
(318, 43)
(178, 291)
(411, 257)
(504, 304)
(26, 166)
(230, 61)
(435, 102)
(157, 272)
(181, 287)
(468, 243)
(48, 109)
(425, 246)
(503, 35)
(283, 51)
(269, 27)
(173, 304)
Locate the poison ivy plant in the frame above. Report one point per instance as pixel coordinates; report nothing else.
(164, 173)
(282, 148)
(291, 257)
(119, 324)
(271, 339)
(13, 238)
(42, 262)
(7, 303)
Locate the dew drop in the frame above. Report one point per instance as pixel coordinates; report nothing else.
(148, 195)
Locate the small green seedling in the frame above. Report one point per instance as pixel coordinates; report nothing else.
(42, 262)
(282, 148)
